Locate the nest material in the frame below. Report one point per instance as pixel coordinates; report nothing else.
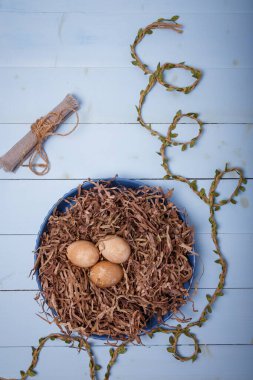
(153, 275)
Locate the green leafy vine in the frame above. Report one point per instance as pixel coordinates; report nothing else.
(209, 199)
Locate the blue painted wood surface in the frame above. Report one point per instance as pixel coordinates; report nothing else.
(51, 48)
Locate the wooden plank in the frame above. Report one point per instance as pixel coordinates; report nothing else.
(108, 95)
(24, 195)
(71, 157)
(144, 363)
(71, 39)
(235, 306)
(16, 257)
(139, 6)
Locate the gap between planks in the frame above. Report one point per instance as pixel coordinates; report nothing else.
(132, 179)
(117, 67)
(146, 345)
(128, 123)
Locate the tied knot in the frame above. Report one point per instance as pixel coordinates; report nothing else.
(42, 129)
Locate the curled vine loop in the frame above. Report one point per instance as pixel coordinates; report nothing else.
(213, 194)
(170, 87)
(174, 345)
(161, 23)
(171, 131)
(210, 199)
(166, 140)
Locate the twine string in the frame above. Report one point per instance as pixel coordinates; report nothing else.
(43, 128)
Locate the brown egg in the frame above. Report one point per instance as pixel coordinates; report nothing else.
(83, 253)
(105, 274)
(114, 248)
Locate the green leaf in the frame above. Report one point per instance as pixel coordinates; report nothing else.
(122, 350)
(31, 372)
(223, 202)
(171, 340)
(217, 172)
(67, 341)
(174, 18)
(134, 63)
(220, 294)
(218, 261)
(91, 364)
(167, 176)
(172, 135)
(202, 192)
(194, 358)
(209, 309)
(186, 90)
(244, 181)
(22, 373)
(184, 147)
(140, 31)
(41, 339)
(33, 349)
(242, 188)
(192, 114)
(150, 335)
(111, 352)
(194, 185)
(192, 143)
(179, 113)
(52, 338)
(149, 31)
(98, 367)
(208, 297)
(199, 350)
(170, 349)
(159, 154)
(215, 251)
(196, 74)
(233, 201)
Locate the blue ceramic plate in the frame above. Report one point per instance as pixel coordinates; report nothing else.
(61, 206)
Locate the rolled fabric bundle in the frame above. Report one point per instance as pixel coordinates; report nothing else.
(32, 143)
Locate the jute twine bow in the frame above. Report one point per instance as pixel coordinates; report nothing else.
(43, 128)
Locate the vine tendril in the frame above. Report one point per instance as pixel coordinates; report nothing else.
(210, 199)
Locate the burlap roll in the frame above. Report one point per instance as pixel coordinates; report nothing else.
(25, 147)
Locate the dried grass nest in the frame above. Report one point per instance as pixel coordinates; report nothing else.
(154, 274)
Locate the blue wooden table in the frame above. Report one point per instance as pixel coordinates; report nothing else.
(50, 48)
